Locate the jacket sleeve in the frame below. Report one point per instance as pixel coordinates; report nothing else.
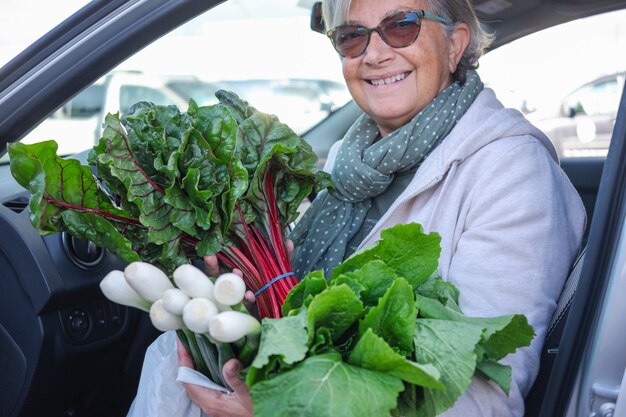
(521, 229)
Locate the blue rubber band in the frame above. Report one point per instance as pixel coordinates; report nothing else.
(266, 286)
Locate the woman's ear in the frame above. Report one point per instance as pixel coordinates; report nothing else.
(459, 39)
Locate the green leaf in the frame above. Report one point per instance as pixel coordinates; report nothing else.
(371, 281)
(449, 346)
(405, 248)
(336, 309)
(498, 373)
(372, 352)
(501, 335)
(435, 287)
(101, 232)
(393, 318)
(324, 386)
(299, 296)
(285, 338)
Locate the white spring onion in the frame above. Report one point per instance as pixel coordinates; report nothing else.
(174, 300)
(193, 282)
(115, 288)
(148, 280)
(197, 314)
(229, 289)
(230, 326)
(163, 319)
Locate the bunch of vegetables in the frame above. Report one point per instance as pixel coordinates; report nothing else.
(173, 186)
(383, 336)
(207, 314)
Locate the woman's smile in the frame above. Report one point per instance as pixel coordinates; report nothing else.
(386, 80)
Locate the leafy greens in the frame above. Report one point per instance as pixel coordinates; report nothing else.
(383, 336)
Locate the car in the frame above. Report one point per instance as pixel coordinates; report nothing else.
(82, 117)
(65, 350)
(586, 117)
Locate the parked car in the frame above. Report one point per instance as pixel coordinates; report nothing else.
(584, 124)
(67, 351)
(78, 122)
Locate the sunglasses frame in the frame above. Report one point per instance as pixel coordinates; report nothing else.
(419, 15)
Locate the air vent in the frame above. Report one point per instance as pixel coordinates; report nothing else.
(17, 204)
(84, 253)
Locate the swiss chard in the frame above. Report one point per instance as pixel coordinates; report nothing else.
(172, 186)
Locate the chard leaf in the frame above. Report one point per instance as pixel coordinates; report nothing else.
(101, 232)
(372, 352)
(57, 185)
(393, 318)
(498, 373)
(449, 346)
(115, 151)
(324, 386)
(285, 338)
(501, 335)
(335, 309)
(218, 126)
(405, 248)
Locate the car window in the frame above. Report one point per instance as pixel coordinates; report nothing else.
(572, 97)
(266, 53)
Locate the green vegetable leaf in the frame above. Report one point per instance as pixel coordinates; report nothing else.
(502, 335)
(324, 386)
(336, 309)
(286, 338)
(372, 352)
(393, 318)
(449, 346)
(370, 281)
(406, 249)
(300, 295)
(498, 373)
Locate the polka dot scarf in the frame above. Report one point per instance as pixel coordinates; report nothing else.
(365, 167)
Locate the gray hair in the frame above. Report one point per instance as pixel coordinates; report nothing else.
(335, 12)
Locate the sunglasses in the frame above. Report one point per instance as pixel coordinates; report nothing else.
(398, 30)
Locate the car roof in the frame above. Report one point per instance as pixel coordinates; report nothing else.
(512, 19)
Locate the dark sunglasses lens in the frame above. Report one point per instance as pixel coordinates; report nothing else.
(401, 29)
(350, 41)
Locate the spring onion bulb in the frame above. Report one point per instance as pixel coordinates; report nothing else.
(197, 314)
(174, 300)
(148, 280)
(115, 288)
(163, 319)
(230, 326)
(193, 282)
(229, 289)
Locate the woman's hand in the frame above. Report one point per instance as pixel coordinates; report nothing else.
(216, 403)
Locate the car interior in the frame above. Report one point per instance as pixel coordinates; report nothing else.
(65, 350)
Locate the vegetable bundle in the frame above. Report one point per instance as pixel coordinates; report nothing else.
(172, 186)
(207, 314)
(383, 336)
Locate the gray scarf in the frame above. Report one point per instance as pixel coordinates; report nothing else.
(365, 167)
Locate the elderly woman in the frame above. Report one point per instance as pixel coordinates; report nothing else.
(437, 148)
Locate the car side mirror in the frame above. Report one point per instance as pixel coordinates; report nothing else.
(317, 22)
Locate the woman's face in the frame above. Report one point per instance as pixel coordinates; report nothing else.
(393, 84)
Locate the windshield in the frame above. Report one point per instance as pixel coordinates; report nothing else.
(263, 51)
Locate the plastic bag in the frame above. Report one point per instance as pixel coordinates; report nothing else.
(161, 392)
